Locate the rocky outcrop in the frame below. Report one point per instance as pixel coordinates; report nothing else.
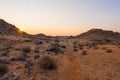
(9, 29)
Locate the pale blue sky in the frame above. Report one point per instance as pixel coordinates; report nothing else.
(61, 17)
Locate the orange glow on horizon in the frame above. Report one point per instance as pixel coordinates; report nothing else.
(21, 28)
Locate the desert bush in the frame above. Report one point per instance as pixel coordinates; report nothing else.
(96, 47)
(4, 61)
(80, 47)
(84, 52)
(38, 42)
(57, 40)
(118, 43)
(109, 50)
(36, 51)
(36, 55)
(3, 70)
(26, 49)
(47, 41)
(103, 48)
(17, 49)
(55, 48)
(75, 46)
(18, 58)
(107, 40)
(89, 46)
(4, 54)
(75, 49)
(63, 46)
(98, 41)
(47, 63)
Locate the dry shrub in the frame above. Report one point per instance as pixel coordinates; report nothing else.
(103, 48)
(4, 61)
(109, 51)
(26, 49)
(3, 70)
(106, 40)
(47, 63)
(96, 47)
(55, 48)
(84, 52)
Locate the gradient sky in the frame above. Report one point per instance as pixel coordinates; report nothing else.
(61, 17)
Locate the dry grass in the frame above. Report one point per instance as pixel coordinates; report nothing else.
(47, 63)
(26, 49)
(3, 70)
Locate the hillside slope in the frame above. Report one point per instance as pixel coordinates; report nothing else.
(99, 34)
(9, 29)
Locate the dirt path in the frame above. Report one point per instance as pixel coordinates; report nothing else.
(70, 67)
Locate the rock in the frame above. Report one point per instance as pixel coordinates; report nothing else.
(4, 77)
(16, 76)
(36, 56)
(31, 78)
(17, 67)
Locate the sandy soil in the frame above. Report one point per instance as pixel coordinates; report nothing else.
(97, 64)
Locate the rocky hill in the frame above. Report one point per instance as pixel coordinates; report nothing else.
(100, 34)
(9, 29)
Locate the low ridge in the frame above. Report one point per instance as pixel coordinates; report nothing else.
(99, 33)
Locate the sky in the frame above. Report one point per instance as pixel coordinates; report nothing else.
(61, 17)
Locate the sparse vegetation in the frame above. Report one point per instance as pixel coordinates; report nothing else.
(4, 61)
(36, 55)
(55, 48)
(36, 51)
(81, 48)
(84, 52)
(4, 53)
(103, 48)
(63, 46)
(75, 49)
(26, 49)
(96, 47)
(53, 57)
(3, 69)
(109, 51)
(18, 58)
(38, 42)
(47, 63)
(75, 46)
(106, 40)
(17, 49)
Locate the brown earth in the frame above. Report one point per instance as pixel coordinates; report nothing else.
(76, 58)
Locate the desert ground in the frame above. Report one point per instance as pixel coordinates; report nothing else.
(76, 60)
(40, 57)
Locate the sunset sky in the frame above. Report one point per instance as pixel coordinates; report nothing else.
(61, 17)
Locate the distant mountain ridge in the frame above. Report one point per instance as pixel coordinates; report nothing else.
(9, 29)
(100, 33)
